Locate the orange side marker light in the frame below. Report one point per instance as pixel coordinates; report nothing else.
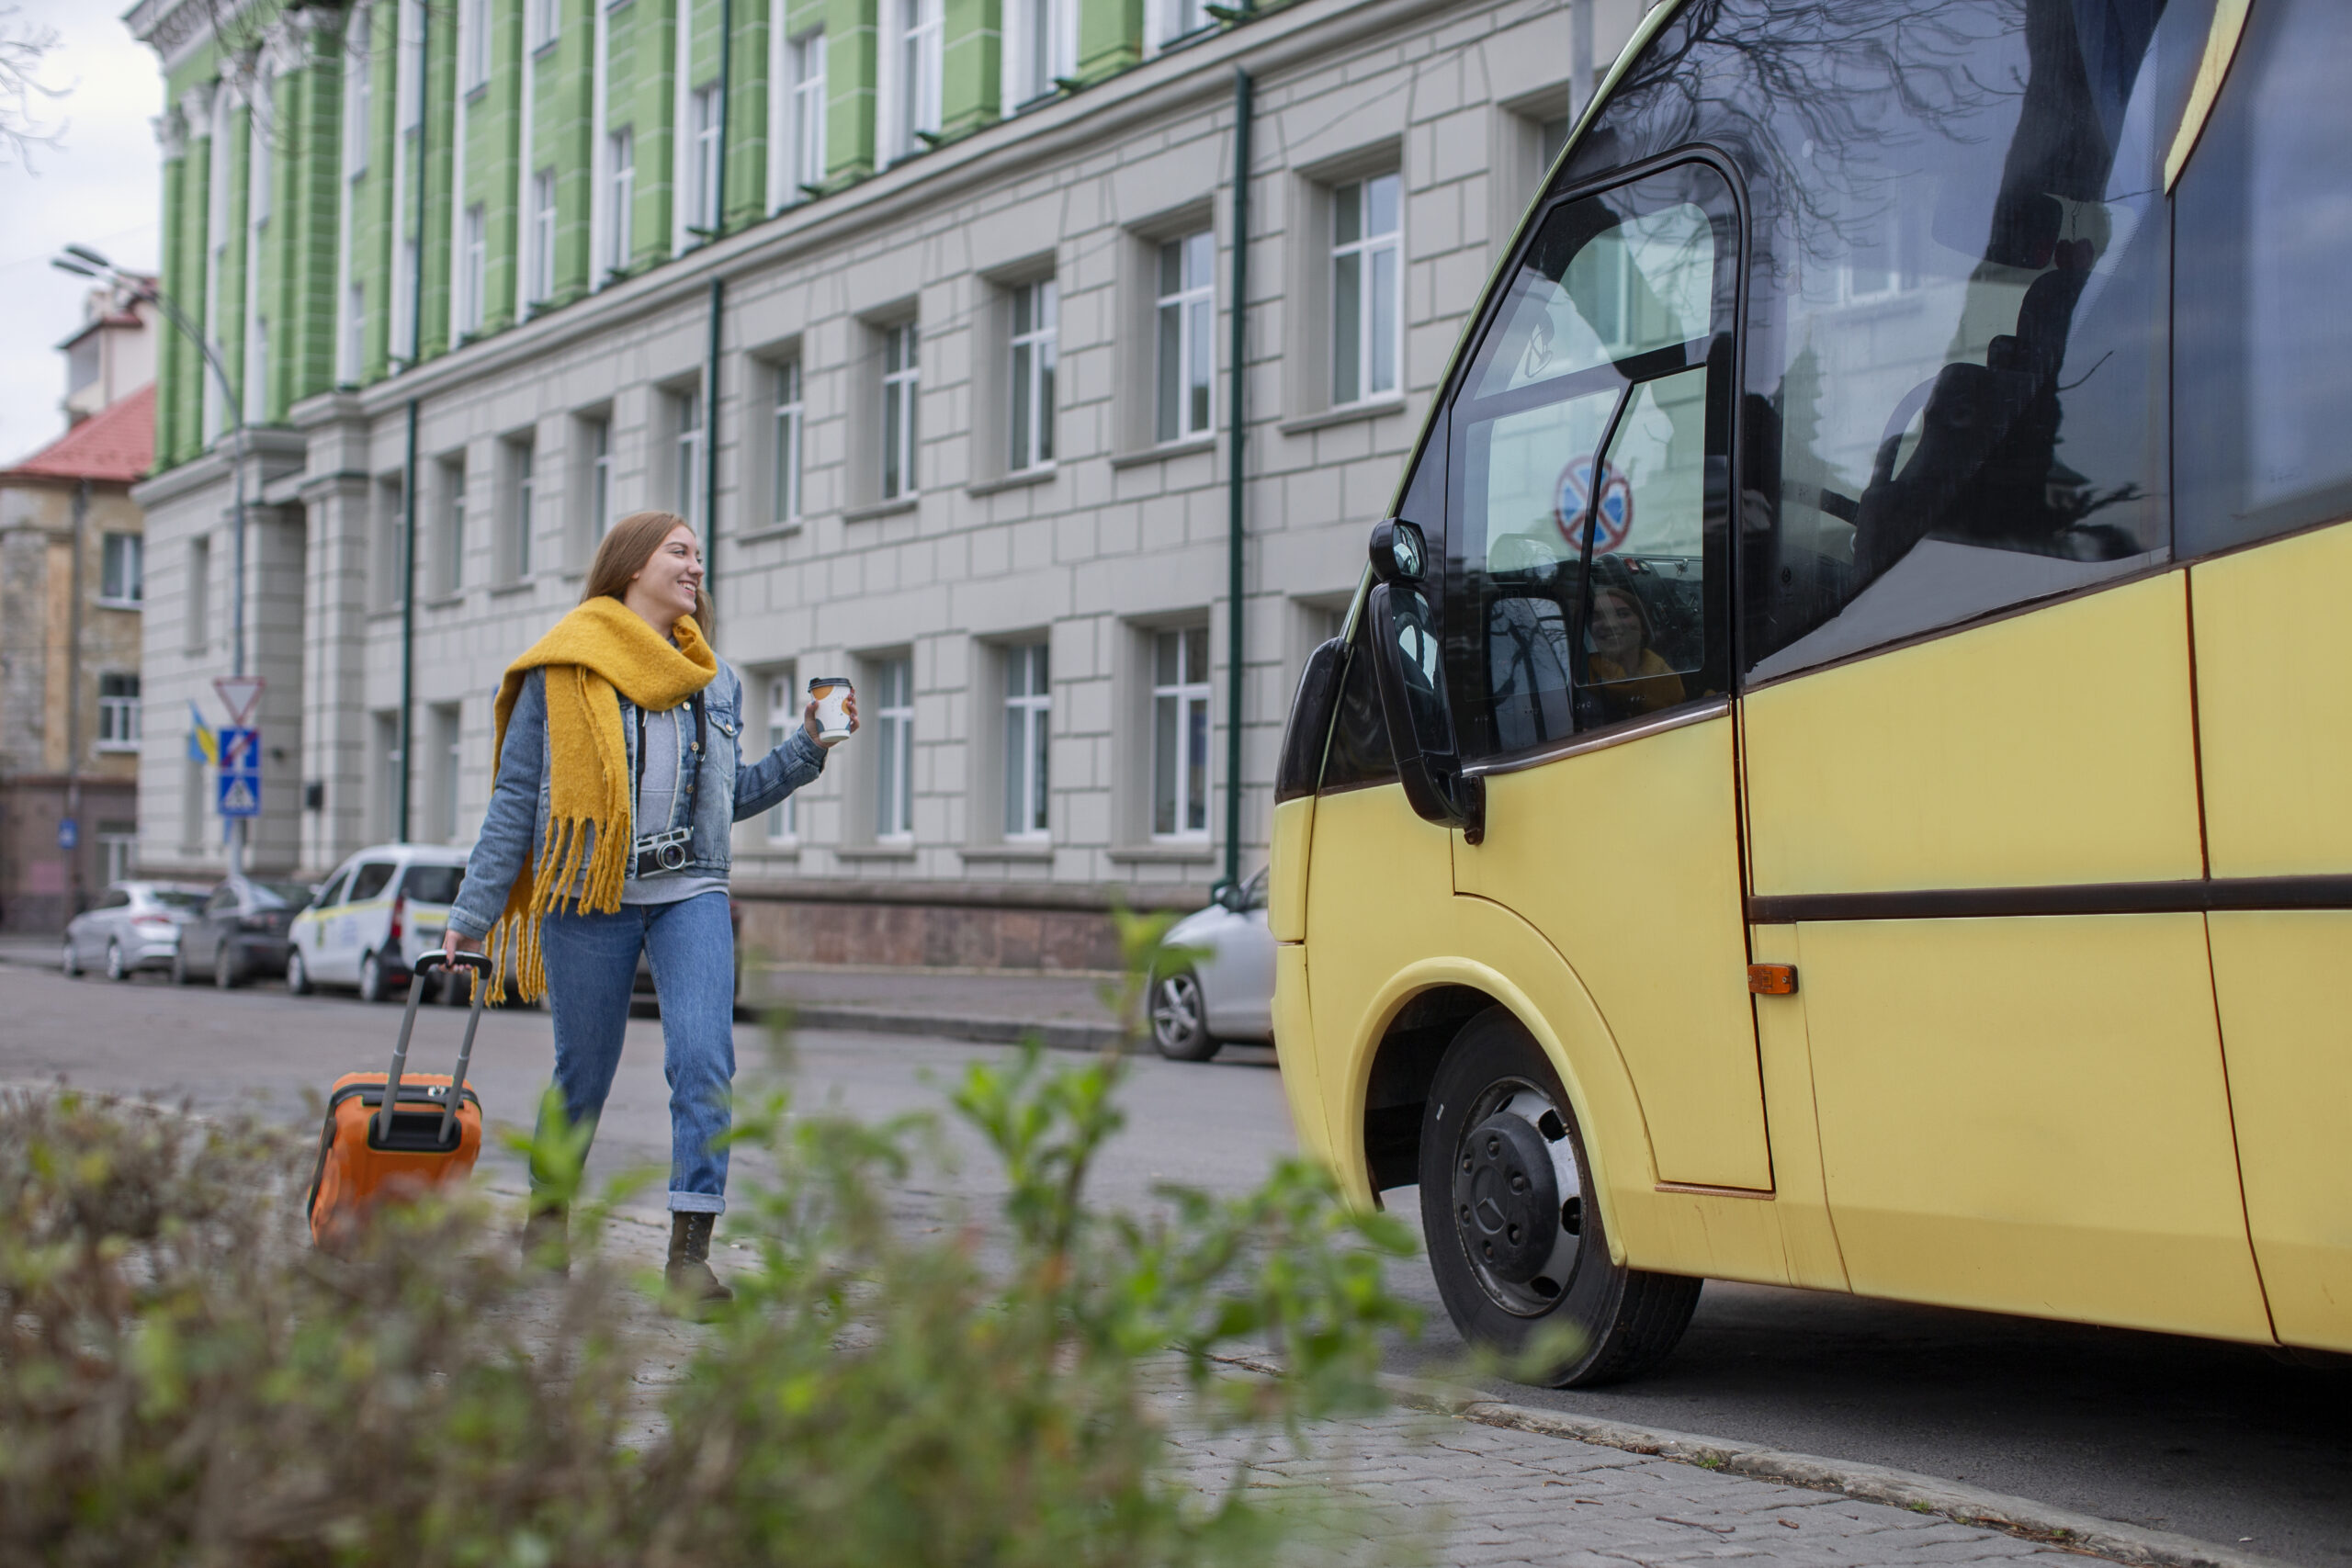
(1773, 979)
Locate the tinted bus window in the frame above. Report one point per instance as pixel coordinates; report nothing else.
(1954, 395)
(2265, 249)
(1578, 530)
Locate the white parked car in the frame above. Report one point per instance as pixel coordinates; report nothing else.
(134, 926)
(1225, 988)
(381, 909)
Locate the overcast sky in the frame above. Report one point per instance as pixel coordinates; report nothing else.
(100, 186)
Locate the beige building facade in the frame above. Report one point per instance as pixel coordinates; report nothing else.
(974, 434)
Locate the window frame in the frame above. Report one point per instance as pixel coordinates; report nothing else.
(689, 426)
(898, 437)
(780, 824)
(1365, 249)
(702, 213)
(122, 564)
(543, 216)
(620, 201)
(1027, 765)
(473, 275)
(788, 429)
(1195, 309)
(893, 717)
(119, 713)
(1032, 355)
(1188, 691)
(802, 130)
(521, 452)
(450, 528)
(917, 56)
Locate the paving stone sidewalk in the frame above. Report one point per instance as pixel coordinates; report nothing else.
(1409, 1486)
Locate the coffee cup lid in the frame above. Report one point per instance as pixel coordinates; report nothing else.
(828, 680)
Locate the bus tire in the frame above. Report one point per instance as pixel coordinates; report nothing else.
(1513, 1227)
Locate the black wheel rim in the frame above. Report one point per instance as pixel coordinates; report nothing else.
(1518, 1197)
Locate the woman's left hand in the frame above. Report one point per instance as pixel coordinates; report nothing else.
(809, 716)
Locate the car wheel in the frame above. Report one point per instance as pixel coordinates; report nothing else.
(1513, 1227)
(115, 968)
(68, 965)
(297, 974)
(179, 962)
(225, 973)
(374, 987)
(1180, 1019)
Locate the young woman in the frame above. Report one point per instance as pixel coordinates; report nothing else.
(619, 782)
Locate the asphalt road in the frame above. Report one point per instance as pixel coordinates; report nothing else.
(2225, 1443)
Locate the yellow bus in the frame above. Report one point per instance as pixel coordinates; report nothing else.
(1839, 773)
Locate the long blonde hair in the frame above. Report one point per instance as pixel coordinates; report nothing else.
(625, 549)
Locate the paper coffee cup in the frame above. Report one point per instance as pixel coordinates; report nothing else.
(832, 720)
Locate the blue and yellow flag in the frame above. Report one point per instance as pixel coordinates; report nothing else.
(203, 742)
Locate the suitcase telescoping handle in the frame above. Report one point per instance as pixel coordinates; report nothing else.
(427, 963)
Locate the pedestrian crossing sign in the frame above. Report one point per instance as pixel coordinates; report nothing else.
(240, 795)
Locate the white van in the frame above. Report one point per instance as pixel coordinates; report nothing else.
(381, 909)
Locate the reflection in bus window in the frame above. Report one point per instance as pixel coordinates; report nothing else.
(1955, 385)
(1579, 593)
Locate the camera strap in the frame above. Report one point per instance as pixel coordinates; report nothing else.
(702, 738)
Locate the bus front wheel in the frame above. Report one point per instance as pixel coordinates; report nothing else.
(1513, 1228)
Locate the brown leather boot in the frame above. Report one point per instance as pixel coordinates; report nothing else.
(689, 1270)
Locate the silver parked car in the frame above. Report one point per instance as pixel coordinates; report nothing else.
(1223, 989)
(134, 926)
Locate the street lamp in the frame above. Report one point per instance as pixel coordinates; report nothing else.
(83, 262)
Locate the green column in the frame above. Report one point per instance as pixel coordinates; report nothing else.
(853, 62)
(170, 370)
(1110, 37)
(972, 67)
(438, 170)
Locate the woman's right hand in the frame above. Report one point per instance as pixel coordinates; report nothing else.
(453, 944)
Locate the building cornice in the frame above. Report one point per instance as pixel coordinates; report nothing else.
(1306, 34)
(175, 29)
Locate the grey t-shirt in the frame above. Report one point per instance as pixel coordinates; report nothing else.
(659, 808)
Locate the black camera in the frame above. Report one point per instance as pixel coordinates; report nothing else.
(663, 851)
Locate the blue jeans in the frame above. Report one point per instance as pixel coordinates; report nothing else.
(592, 965)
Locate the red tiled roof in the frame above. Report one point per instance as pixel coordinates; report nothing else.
(115, 445)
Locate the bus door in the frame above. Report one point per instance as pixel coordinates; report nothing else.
(2265, 485)
(1585, 634)
(1970, 749)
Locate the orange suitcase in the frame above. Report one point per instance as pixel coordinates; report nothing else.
(391, 1135)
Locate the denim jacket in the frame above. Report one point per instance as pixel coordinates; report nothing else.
(728, 791)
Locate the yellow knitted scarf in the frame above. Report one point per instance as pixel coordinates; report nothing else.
(598, 649)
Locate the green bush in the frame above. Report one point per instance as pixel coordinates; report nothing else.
(183, 1381)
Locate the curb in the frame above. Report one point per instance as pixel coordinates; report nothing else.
(1059, 1036)
(1962, 1504)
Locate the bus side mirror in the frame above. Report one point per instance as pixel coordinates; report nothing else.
(1411, 677)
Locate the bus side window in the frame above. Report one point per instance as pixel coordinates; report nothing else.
(2264, 228)
(1957, 371)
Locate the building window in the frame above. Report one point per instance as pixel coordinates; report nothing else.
(1035, 325)
(118, 843)
(387, 572)
(620, 223)
(1187, 312)
(358, 98)
(473, 270)
(544, 20)
(789, 424)
(1179, 734)
(702, 210)
(1184, 18)
(118, 713)
(391, 773)
(894, 719)
(901, 380)
(600, 477)
(449, 549)
(408, 76)
(686, 452)
(784, 718)
(1028, 715)
(1551, 140)
(521, 455)
(920, 34)
(122, 572)
(448, 753)
(199, 594)
(1365, 301)
(805, 63)
(1047, 47)
(355, 332)
(473, 44)
(542, 263)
